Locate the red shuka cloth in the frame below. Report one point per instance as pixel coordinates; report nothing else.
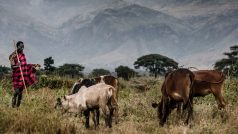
(27, 70)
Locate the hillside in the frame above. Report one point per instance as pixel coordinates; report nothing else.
(91, 32)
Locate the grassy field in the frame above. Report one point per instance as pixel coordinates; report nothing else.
(37, 113)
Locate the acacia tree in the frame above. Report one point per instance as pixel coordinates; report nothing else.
(71, 70)
(48, 63)
(99, 72)
(229, 65)
(156, 64)
(125, 72)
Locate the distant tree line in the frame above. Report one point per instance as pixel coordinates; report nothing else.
(155, 64)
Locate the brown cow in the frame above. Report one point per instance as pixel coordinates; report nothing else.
(209, 81)
(177, 87)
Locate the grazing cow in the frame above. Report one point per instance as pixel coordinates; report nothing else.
(107, 79)
(209, 81)
(96, 96)
(176, 88)
(87, 83)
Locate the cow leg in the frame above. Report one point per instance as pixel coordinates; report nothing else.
(110, 116)
(87, 114)
(165, 110)
(106, 113)
(218, 96)
(111, 109)
(115, 107)
(160, 109)
(190, 111)
(97, 115)
(179, 106)
(221, 103)
(94, 118)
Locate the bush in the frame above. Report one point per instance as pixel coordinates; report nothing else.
(54, 83)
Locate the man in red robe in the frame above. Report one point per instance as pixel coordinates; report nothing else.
(28, 71)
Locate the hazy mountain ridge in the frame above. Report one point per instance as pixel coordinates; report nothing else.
(119, 33)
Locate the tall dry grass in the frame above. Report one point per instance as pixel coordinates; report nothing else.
(37, 113)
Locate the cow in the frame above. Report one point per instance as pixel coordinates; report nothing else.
(96, 96)
(209, 81)
(176, 88)
(95, 111)
(107, 79)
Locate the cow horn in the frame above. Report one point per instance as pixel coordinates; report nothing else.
(193, 68)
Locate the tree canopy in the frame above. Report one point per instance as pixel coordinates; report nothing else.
(48, 63)
(99, 72)
(229, 65)
(156, 64)
(71, 70)
(125, 72)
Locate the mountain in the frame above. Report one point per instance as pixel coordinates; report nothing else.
(132, 25)
(112, 33)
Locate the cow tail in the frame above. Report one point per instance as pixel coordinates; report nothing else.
(192, 77)
(223, 77)
(110, 93)
(117, 83)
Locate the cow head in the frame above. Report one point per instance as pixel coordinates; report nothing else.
(66, 104)
(62, 104)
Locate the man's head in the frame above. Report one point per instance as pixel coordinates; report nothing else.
(20, 46)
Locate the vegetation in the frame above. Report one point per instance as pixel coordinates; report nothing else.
(125, 72)
(99, 72)
(37, 113)
(156, 64)
(71, 70)
(229, 65)
(48, 65)
(3, 71)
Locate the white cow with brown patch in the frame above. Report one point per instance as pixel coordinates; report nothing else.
(86, 99)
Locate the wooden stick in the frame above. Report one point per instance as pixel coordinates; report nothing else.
(20, 67)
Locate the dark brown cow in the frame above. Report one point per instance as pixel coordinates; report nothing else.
(209, 81)
(177, 87)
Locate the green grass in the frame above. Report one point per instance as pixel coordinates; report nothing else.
(37, 113)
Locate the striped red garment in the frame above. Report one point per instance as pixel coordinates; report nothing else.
(27, 70)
